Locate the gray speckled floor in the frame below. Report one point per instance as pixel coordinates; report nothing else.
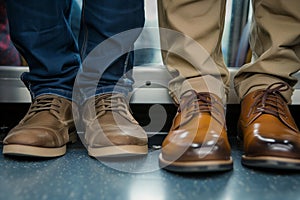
(78, 176)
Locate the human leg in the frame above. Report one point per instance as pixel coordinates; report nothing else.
(109, 30)
(192, 49)
(197, 140)
(271, 137)
(41, 32)
(274, 41)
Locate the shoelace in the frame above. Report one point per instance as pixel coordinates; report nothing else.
(268, 100)
(199, 102)
(112, 102)
(44, 104)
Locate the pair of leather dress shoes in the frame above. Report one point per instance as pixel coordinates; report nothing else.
(198, 142)
(110, 129)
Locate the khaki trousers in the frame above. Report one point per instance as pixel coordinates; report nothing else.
(195, 58)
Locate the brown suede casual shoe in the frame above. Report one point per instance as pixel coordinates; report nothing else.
(197, 141)
(270, 135)
(110, 129)
(44, 131)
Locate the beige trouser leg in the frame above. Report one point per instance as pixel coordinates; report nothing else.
(275, 42)
(194, 57)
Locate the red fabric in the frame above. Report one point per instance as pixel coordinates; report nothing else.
(8, 53)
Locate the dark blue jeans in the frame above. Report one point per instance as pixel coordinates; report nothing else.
(41, 31)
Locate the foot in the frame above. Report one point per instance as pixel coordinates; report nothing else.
(110, 129)
(44, 131)
(197, 141)
(269, 133)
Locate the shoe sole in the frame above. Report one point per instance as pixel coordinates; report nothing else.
(115, 151)
(23, 150)
(196, 166)
(32, 151)
(271, 162)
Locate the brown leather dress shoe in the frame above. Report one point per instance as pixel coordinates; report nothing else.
(110, 129)
(44, 131)
(197, 141)
(270, 135)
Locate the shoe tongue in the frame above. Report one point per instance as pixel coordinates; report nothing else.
(117, 118)
(118, 110)
(43, 117)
